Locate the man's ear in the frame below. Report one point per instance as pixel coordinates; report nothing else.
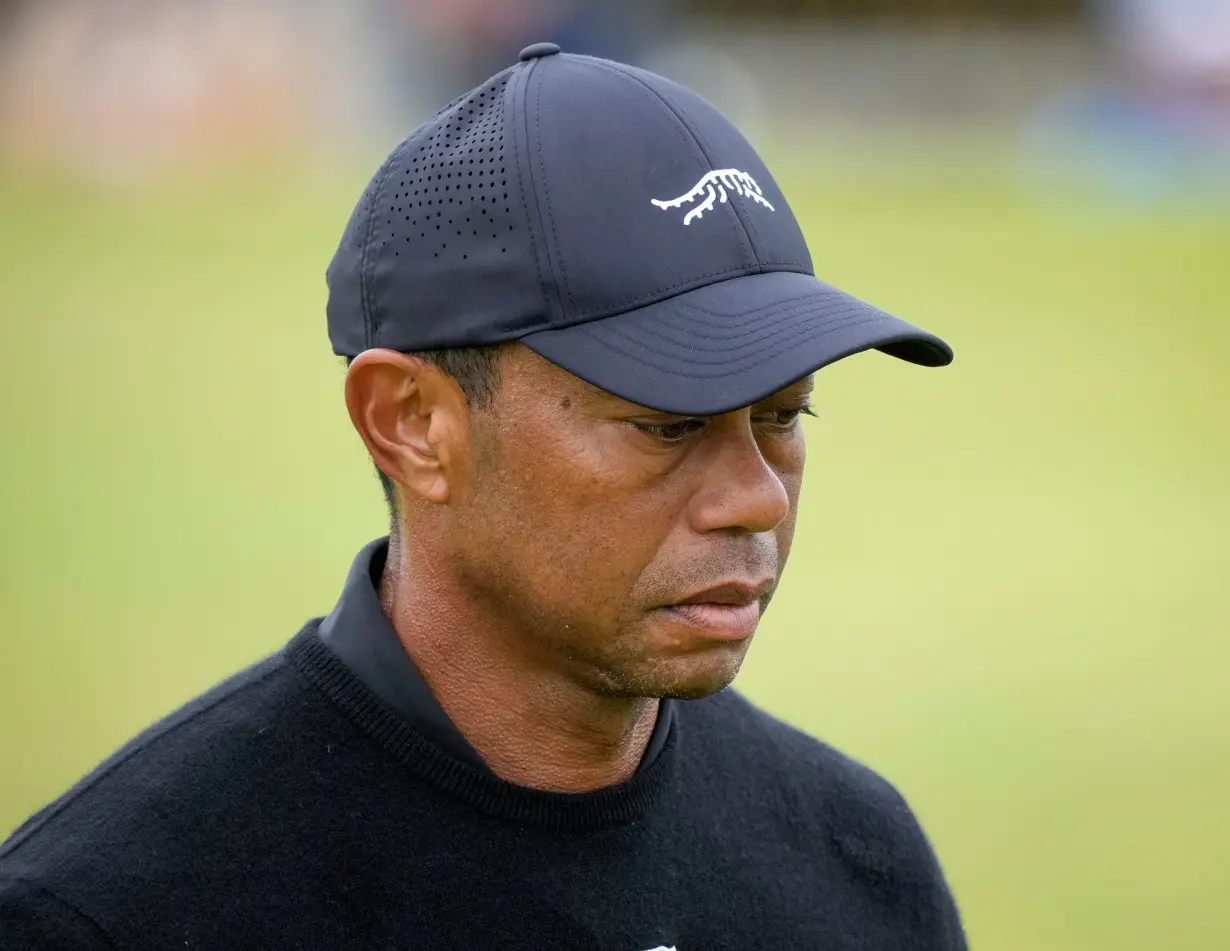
(413, 419)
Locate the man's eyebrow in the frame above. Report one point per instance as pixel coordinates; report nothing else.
(598, 400)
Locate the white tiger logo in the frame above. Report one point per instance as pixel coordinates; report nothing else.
(714, 185)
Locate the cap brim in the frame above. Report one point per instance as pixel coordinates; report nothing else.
(730, 344)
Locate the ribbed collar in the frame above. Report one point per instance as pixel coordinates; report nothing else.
(479, 787)
(359, 632)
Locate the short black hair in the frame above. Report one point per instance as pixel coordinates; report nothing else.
(477, 372)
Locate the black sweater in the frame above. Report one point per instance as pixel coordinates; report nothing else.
(291, 808)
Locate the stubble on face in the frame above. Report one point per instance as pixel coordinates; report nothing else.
(577, 527)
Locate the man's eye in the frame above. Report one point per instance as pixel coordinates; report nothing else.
(674, 431)
(785, 418)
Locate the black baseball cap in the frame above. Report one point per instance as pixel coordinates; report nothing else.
(614, 222)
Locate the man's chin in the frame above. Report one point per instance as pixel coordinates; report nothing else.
(686, 678)
(698, 690)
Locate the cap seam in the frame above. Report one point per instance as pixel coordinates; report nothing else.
(725, 368)
(793, 298)
(715, 370)
(664, 293)
(693, 313)
(706, 152)
(833, 318)
(748, 222)
(744, 271)
(759, 331)
(370, 320)
(544, 272)
(557, 259)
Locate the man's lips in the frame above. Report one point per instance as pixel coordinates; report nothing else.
(728, 611)
(730, 592)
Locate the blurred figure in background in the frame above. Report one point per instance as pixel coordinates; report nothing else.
(119, 89)
(477, 37)
(435, 50)
(1159, 122)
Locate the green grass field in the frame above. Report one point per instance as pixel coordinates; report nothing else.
(1009, 593)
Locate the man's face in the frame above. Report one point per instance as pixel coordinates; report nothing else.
(635, 548)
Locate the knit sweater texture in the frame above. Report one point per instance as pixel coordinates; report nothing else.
(289, 807)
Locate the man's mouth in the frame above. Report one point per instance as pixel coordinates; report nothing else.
(723, 621)
(727, 611)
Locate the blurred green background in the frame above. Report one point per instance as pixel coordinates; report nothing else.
(1009, 593)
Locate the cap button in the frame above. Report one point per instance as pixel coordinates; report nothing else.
(535, 50)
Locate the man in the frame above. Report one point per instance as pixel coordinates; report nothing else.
(581, 323)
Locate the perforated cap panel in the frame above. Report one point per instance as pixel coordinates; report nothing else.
(454, 185)
(439, 249)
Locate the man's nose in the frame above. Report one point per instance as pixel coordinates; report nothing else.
(739, 491)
